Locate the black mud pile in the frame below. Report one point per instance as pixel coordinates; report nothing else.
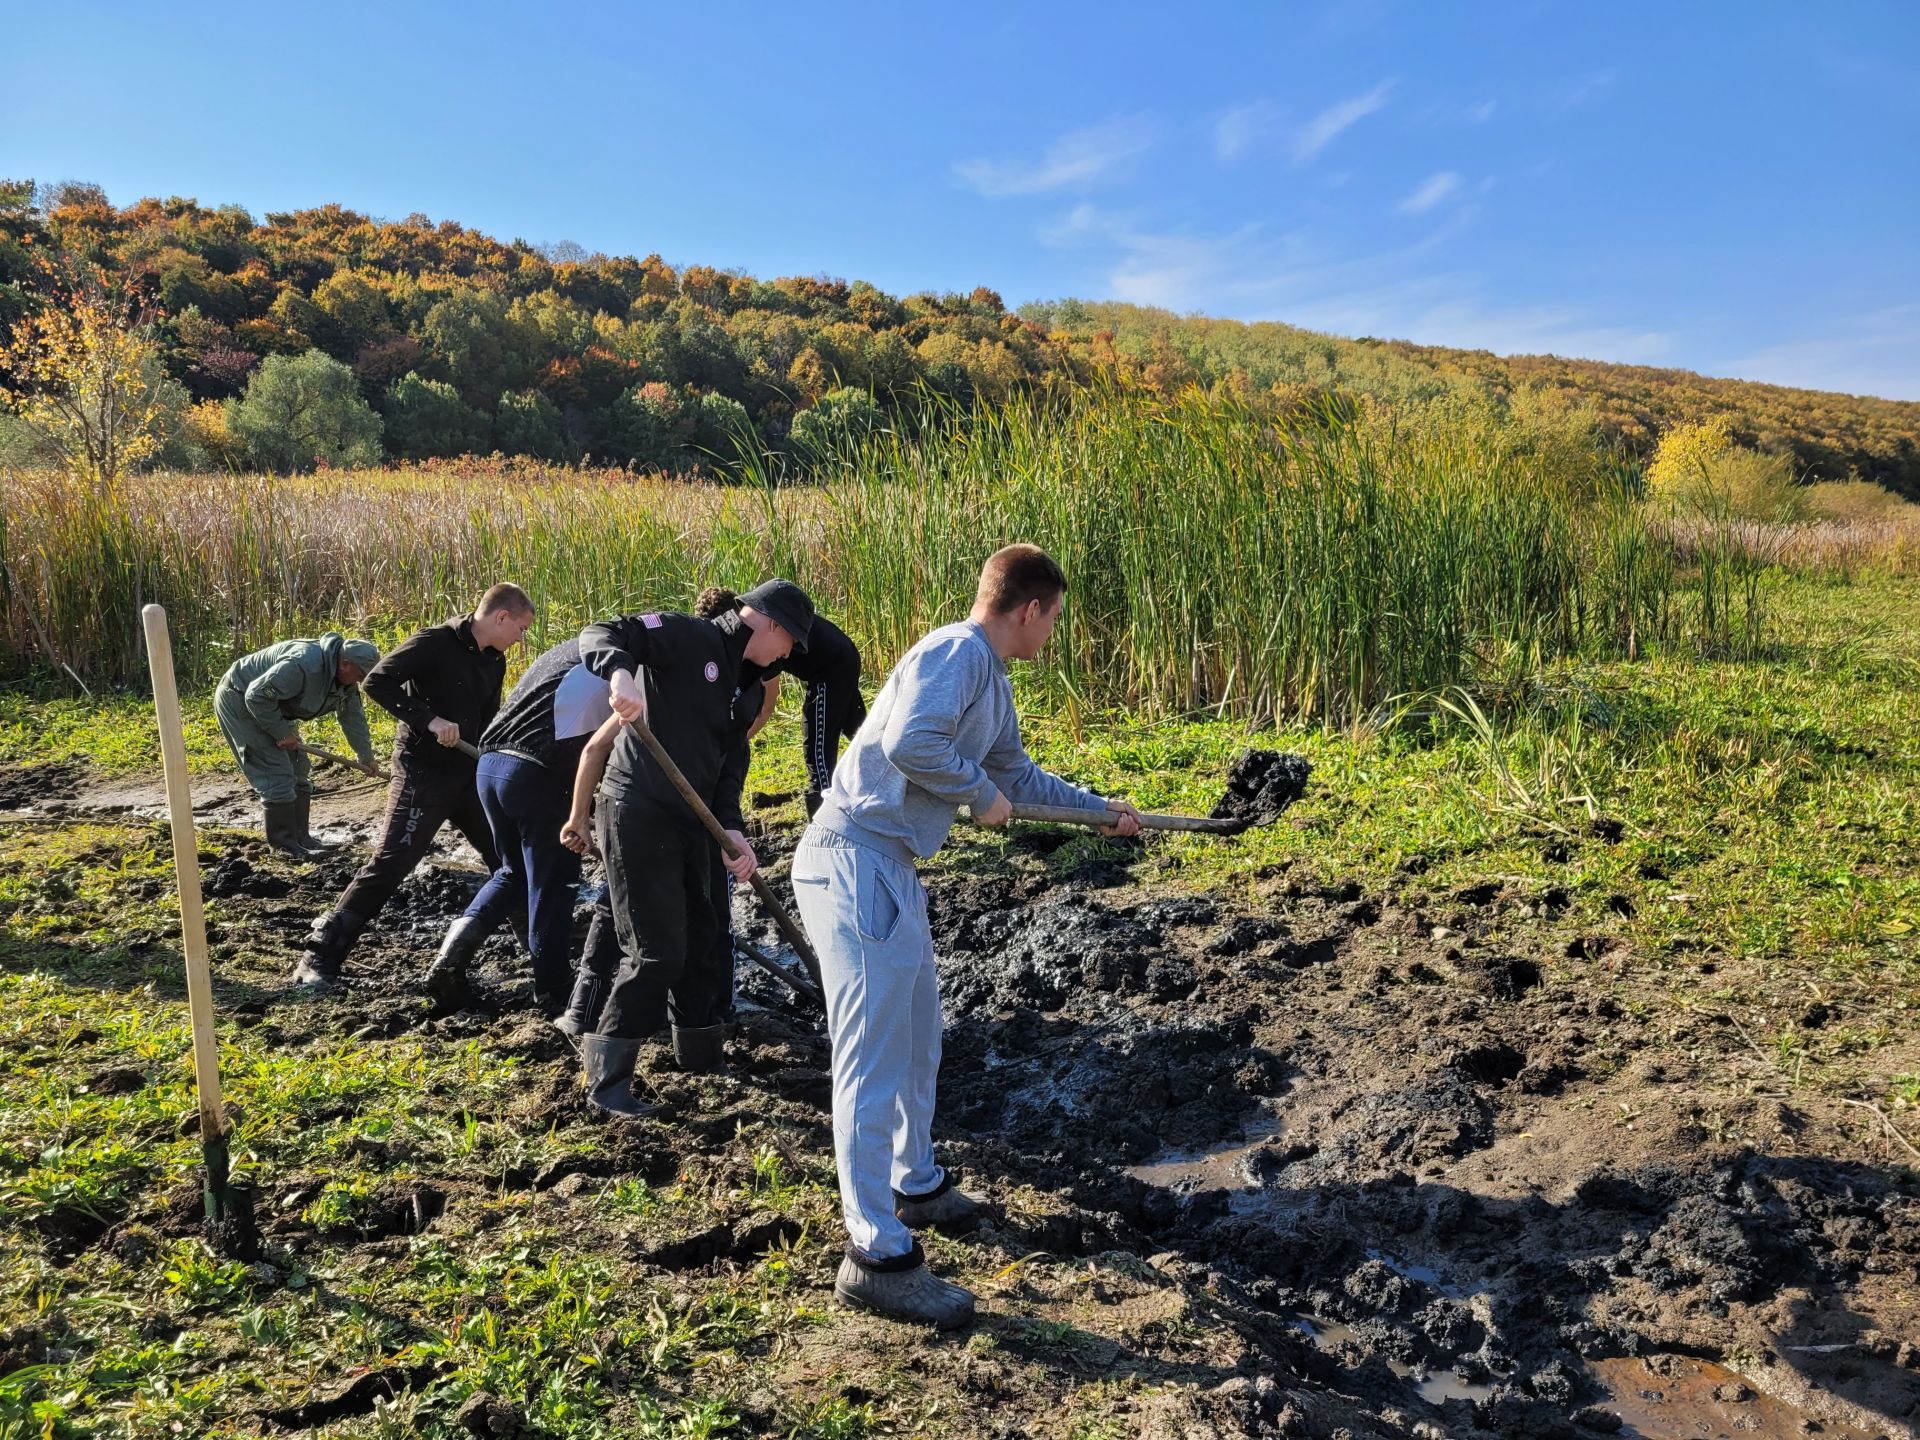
(1261, 785)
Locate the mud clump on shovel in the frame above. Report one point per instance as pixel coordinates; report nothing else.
(1261, 784)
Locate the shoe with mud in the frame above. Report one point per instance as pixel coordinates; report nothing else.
(583, 1009)
(699, 1050)
(303, 825)
(607, 1061)
(446, 978)
(326, 953)
(282, 824)
(947, 1208)
(904, 1289)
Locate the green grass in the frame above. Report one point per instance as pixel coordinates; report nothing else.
(1765, 866)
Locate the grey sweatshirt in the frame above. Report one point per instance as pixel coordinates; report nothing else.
(942, 733)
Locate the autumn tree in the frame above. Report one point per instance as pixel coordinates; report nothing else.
(85, 378)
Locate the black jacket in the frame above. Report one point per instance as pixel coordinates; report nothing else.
(690, 672)
(831, 662)
(551, 714)
(444, 672)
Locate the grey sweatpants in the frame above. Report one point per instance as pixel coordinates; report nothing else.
(279, 775)
(867, 918)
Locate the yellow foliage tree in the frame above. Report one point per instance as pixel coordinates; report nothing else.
(1685, 459)
(85, 380)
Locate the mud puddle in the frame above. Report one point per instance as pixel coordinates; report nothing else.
(1672, 1397)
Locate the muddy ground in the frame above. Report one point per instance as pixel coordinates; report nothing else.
(1410, 1164)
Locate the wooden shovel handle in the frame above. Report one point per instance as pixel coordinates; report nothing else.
(1101, 819)
(789, 929)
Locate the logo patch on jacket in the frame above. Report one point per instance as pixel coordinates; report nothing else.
(651, 620)
(713, 672)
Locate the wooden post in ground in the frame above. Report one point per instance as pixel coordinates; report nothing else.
(223, 1203)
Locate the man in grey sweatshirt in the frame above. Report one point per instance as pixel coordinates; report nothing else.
(942, 733)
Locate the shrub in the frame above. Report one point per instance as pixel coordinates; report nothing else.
(303, 410)
(427, 417)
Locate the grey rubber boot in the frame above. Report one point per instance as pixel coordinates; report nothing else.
(283, 828)
(447, 976)
(327, 946)
(697, 1050)
(303, 822)
(948, 1209)
(904, 1290)
(607, 1062)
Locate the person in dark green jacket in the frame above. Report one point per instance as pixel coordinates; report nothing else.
(260, 703)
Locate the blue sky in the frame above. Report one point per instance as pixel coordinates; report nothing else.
(1731, 188)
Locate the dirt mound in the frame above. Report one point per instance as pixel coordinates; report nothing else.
(25, 786)
(1261, 784)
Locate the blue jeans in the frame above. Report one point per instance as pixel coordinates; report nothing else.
(526, 804)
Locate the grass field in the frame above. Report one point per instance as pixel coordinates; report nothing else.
(1581, 986)
(1729, 838)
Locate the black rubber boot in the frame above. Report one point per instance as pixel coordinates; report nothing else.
(697, 1050)
(447, 976)
(303, 821)
(583, 1006)
(327, 946)
(592, 980)
(283, 828)
(607, 1061)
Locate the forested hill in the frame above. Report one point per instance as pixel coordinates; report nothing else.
(464, 343)
(1828, 434)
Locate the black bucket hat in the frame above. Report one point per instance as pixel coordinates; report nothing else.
(784, 602)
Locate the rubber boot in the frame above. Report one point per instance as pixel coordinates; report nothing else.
(592, 980)
(946, 1208)
(697, 1049)
(327, 946)
(904, 1289)
(447, 977)
(283, 828)
(303, 821)
(607, 1062)
(583, 1006)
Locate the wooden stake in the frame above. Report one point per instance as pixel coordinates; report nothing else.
(193, 923)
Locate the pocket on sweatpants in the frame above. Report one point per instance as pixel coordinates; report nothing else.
(877, 907)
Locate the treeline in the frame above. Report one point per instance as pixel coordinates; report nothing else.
(1827, 436)
(459, 343)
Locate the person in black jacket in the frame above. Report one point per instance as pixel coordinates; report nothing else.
(833, 709)
(661, 863)
(528, 757)
(443, 685)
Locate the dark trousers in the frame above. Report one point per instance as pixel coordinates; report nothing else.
(419, 802)
(663, 874)
(525, 807)
(829, 713)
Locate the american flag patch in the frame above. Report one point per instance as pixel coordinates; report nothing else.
(651, 621)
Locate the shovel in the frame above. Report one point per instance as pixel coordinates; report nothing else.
(1101, 819)
(347, 761)
(790, 931)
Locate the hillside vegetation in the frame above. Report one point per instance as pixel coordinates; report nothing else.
(460, 343)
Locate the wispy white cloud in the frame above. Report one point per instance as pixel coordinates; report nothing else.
(1239, 127)
(1319, 132)
(1871, 354)
(1074, 160)
(1430, 192)
(1254, 273)
(1580, 89)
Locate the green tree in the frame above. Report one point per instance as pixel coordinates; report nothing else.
(528, 423)
(646, 426)
(719, 423)
(303, 410)
(427, 417)
(841, 418)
